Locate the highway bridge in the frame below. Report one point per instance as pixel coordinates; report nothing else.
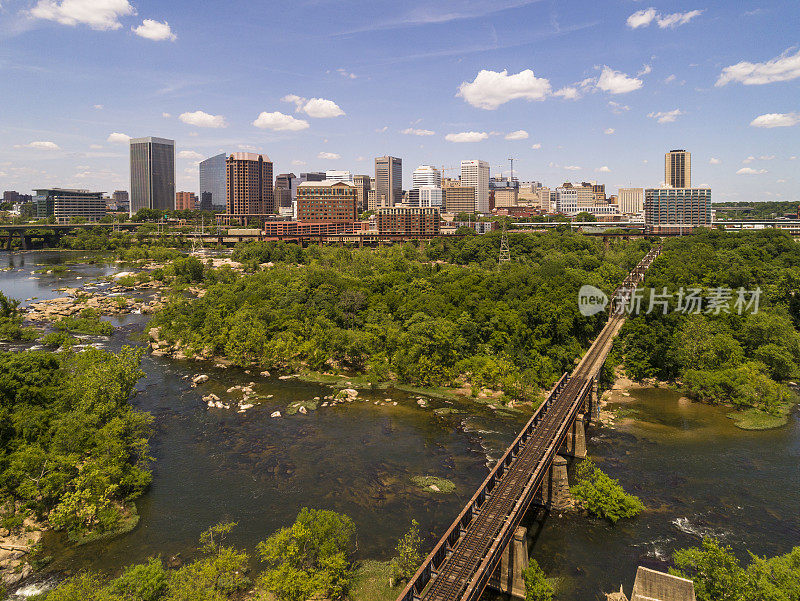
(461, 564)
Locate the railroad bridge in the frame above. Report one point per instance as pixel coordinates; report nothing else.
(485, 542)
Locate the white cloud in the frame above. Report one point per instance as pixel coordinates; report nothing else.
(537, 146)
(781, 68)
(568, 93)
(520, 134)
(190, 154)
(714, 161)
(102, 15)
(767, 157)
(95, 146)
(750, 171)
(347, 74)
(39, 145)
(166, 115)
(610, 131)
(203, 119)
(675, 19)
(154, 30)
(98, 107)
(781, 181)
(298, 163)
(618, 108)
(381, 130)
(490, 89)
(319, 108)
(277, 121)
(644, 18)
(645, 70)
(248, 147)
(616, 82)
(329, 156)
(776, 120)
(410, 131)
(749, 160)
(603, 169)
(467, 136)
(572, 168)
(118, 138)
(666, 117)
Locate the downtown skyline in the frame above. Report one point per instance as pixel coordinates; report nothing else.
(572, 91)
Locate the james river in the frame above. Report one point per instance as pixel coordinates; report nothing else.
(696, 473)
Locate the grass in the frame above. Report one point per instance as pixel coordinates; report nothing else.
(128, 521)
(371, 582)
(444, 485)
(295, 407)
(448, 411)
(316, 377)
(755, 419)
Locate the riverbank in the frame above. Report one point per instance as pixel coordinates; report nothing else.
(18, 546)
(621, 391)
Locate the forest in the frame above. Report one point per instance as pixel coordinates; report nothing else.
(743, 360)
(72, 449)
(427, 315)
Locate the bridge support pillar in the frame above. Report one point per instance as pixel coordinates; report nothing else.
(507, 578)
(595, 409)
(575, 444)
(554, 493)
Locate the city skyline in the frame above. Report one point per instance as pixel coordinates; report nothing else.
(480, 82)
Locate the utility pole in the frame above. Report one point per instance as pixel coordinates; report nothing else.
(512, 172)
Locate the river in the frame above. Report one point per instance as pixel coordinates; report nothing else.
(694, 470)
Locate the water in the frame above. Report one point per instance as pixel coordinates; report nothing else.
(697, 473)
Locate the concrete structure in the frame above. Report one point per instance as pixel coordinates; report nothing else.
(651, 585)
(185, 201)
(120, 197)
(630, 200)
(362, 184)
(475, 174)
(339, 176)
(67, 205)
(678, 169)
(388, 181)
(575, 444)
(426, 175)
(514, 561)
(411, 222)
(213, 183)
(306, 229)
(677, 206)
(372, 200)
(250, 194)
(152, 174)
(459, 199)
(328, 200)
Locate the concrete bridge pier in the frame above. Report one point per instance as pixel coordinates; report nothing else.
(575, 444)
(554, 492)
(595, 402)
(507, 578)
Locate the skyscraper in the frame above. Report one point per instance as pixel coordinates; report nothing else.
(249, 181)
(678, 169)
(426, 175)
(631, 200)
(152, 174)
(362, 184)
(212, 183)
(475, 174)
(681, 206)
(388, 181)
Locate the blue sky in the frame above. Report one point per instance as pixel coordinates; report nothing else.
(583, 89)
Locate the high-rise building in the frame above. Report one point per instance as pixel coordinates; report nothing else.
(249, 182)
(430, 197)
(362, 184)
(459, 199)
(120, 197)
(65, 205)
(678, 169)
(11, 196)
(677, 206)
(185, 201)
(372, 200)
(630, 200)
(475, 174)
(328, 200)
(388, 181)
(152, 174)
(314, 176)
(339, 176)
(213, 188)
(408, 221)
(426, 175)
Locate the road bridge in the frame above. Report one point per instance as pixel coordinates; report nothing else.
(461, 564)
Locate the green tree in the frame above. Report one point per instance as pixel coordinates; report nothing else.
(409, 554)
(537, 587)
(715, 570)
(603, 496)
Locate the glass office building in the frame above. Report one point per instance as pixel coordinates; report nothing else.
(213, 189)
(152, 174)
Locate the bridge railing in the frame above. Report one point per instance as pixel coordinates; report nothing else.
(440, 552)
